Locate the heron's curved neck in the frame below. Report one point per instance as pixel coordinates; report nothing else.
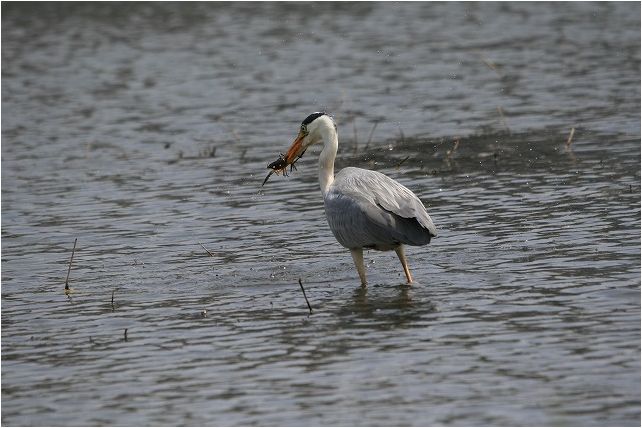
(326, 159)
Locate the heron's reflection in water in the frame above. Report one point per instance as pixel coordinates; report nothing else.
(386, 306)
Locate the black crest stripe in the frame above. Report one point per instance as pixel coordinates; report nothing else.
(313, 116)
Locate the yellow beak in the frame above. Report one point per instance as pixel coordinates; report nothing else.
(296, 150)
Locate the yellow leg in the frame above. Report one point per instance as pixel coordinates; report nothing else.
(404, 263)
(357, 256)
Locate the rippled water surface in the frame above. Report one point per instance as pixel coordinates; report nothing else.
(144, 131)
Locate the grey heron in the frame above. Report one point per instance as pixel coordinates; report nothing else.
(365, 209)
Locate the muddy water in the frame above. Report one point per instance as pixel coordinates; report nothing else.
(144, 132)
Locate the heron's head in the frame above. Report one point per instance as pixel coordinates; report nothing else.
(314, 129)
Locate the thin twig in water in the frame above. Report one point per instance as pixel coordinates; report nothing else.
(125, 335)
(402, 161)
(208, 251)
(112, 299)
(306, 297)
(569, 141)
(70, 261)
(401, 135)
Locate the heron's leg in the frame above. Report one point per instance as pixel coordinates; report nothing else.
(404, 263)
(357, 256)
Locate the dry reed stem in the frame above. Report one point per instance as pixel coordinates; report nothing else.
(402, 161)
(503, 118)
(371, 133)
(449, 153)
(306, 297)
(354, 130)
(569, 141)
(70, 261)
(208, 251)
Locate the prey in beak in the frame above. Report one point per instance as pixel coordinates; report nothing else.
(293, 154)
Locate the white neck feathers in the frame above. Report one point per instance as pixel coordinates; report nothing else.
(326, 159)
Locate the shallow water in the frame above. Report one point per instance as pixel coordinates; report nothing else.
(145, 132)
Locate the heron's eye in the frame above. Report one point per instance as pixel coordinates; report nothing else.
(304, 130)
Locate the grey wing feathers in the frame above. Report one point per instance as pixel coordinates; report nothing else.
(368, 209)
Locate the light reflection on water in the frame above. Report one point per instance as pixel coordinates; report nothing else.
(527, 309)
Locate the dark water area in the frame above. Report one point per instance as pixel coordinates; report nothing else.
(144, 131)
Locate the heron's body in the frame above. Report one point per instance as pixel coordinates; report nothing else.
(365, 209)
